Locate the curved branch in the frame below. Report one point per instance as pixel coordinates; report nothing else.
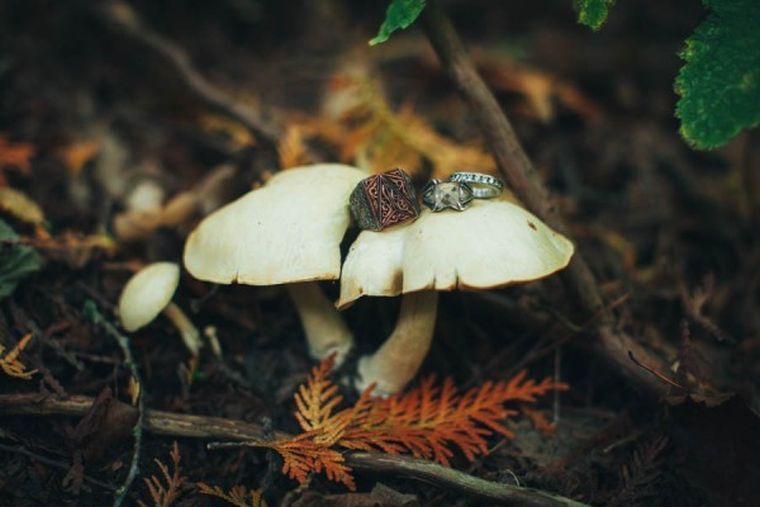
(518, 171)
(218, 428)
(123, 18)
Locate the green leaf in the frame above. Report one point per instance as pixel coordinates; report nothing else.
(720, 83)
(16, 261)
(592, 13)
(400, 14)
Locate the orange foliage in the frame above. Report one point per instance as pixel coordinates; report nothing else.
(429, 422)
(10, 364)
(539, 421)
(238, 496)
(164, 495)
(540, 89)
(292, 148)
(17, 155)
(359, 119)
(75, 156)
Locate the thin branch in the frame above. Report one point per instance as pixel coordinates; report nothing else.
(438, 475)
(92, 313)
(518, 171)
(18, 449)
(218, 428)
(656, 373)
(121, 16)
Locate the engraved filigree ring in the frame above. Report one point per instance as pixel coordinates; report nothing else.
(384, 200)
(458, 191)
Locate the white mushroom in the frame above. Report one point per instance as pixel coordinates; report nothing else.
(287, 232)
(148, 293)
(492, 244)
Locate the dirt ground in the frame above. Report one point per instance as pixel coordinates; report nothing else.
(97, 118)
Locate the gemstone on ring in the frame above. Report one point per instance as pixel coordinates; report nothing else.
(439, 195)
(383, 200)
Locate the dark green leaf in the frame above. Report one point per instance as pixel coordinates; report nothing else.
(400, 14)
(720, 83)
(16, 261)
(592, 13)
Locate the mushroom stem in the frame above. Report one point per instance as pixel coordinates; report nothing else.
(397, 361)
(190, 335)
(325, 331)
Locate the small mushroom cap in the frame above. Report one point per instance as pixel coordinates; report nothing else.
(147, 293)
(289, 230)
(491, 244)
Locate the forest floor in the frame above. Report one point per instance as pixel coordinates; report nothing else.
(95, 120)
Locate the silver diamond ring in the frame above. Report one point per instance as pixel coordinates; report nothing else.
(439, 195)
(484, 186)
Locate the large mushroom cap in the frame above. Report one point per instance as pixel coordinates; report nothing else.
(147, 293)
(287, 231)
(491, 244)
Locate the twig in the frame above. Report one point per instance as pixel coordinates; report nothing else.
(438, 475)
(53, 463)
(92, 313)
(27, 322)
(523, 179)
(126, 20)
(694, 303)
(218, 428)
(656, 373)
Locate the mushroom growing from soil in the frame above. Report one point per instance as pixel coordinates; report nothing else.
(492, 244)
(148, 293)
(288, 232)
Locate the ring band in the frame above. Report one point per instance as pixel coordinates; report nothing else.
(383, 200)
(484, 186)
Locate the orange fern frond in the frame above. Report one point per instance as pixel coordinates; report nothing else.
(303, 455)
(238, 495)
(316, 399)
(430, 422)
(164, 495)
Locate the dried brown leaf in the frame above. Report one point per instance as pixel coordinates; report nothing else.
(76, 155)
(379, 138)
(73, 249)
(541, 90)
(15, 154)
(292, 148)
(10, 363)
(21, 207)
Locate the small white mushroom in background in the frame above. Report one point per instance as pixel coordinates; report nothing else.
(286, 232)
(148, 293)
(492, 244)
(147, 195)
(146, 210)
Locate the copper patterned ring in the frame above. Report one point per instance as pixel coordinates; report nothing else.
(384, 200)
